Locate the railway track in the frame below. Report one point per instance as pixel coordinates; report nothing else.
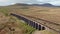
(48, 24)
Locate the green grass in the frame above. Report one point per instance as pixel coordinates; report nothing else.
(5, 11)
(28, 29)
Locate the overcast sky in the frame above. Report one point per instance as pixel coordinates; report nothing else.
(8, 2)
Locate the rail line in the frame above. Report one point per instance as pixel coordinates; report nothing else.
(48, 24)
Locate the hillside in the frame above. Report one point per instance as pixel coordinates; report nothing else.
(9, 22)
(47, 13)
(11, 25)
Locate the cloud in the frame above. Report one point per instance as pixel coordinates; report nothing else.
(4, 0)
(47, 0)
(56, 3)
(12, 3)
(53, 2)
(7, 2)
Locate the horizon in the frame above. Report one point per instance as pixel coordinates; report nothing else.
(11, 2)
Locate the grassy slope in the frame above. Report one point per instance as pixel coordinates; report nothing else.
(50, 14)
(36, 11)
(19, 26)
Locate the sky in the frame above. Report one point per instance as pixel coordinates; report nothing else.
(10, 2)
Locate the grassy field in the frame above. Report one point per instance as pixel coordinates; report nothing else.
(46, 13)
(11, 25)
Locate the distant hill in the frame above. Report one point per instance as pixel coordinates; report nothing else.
(21, 4)
(46, 5)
